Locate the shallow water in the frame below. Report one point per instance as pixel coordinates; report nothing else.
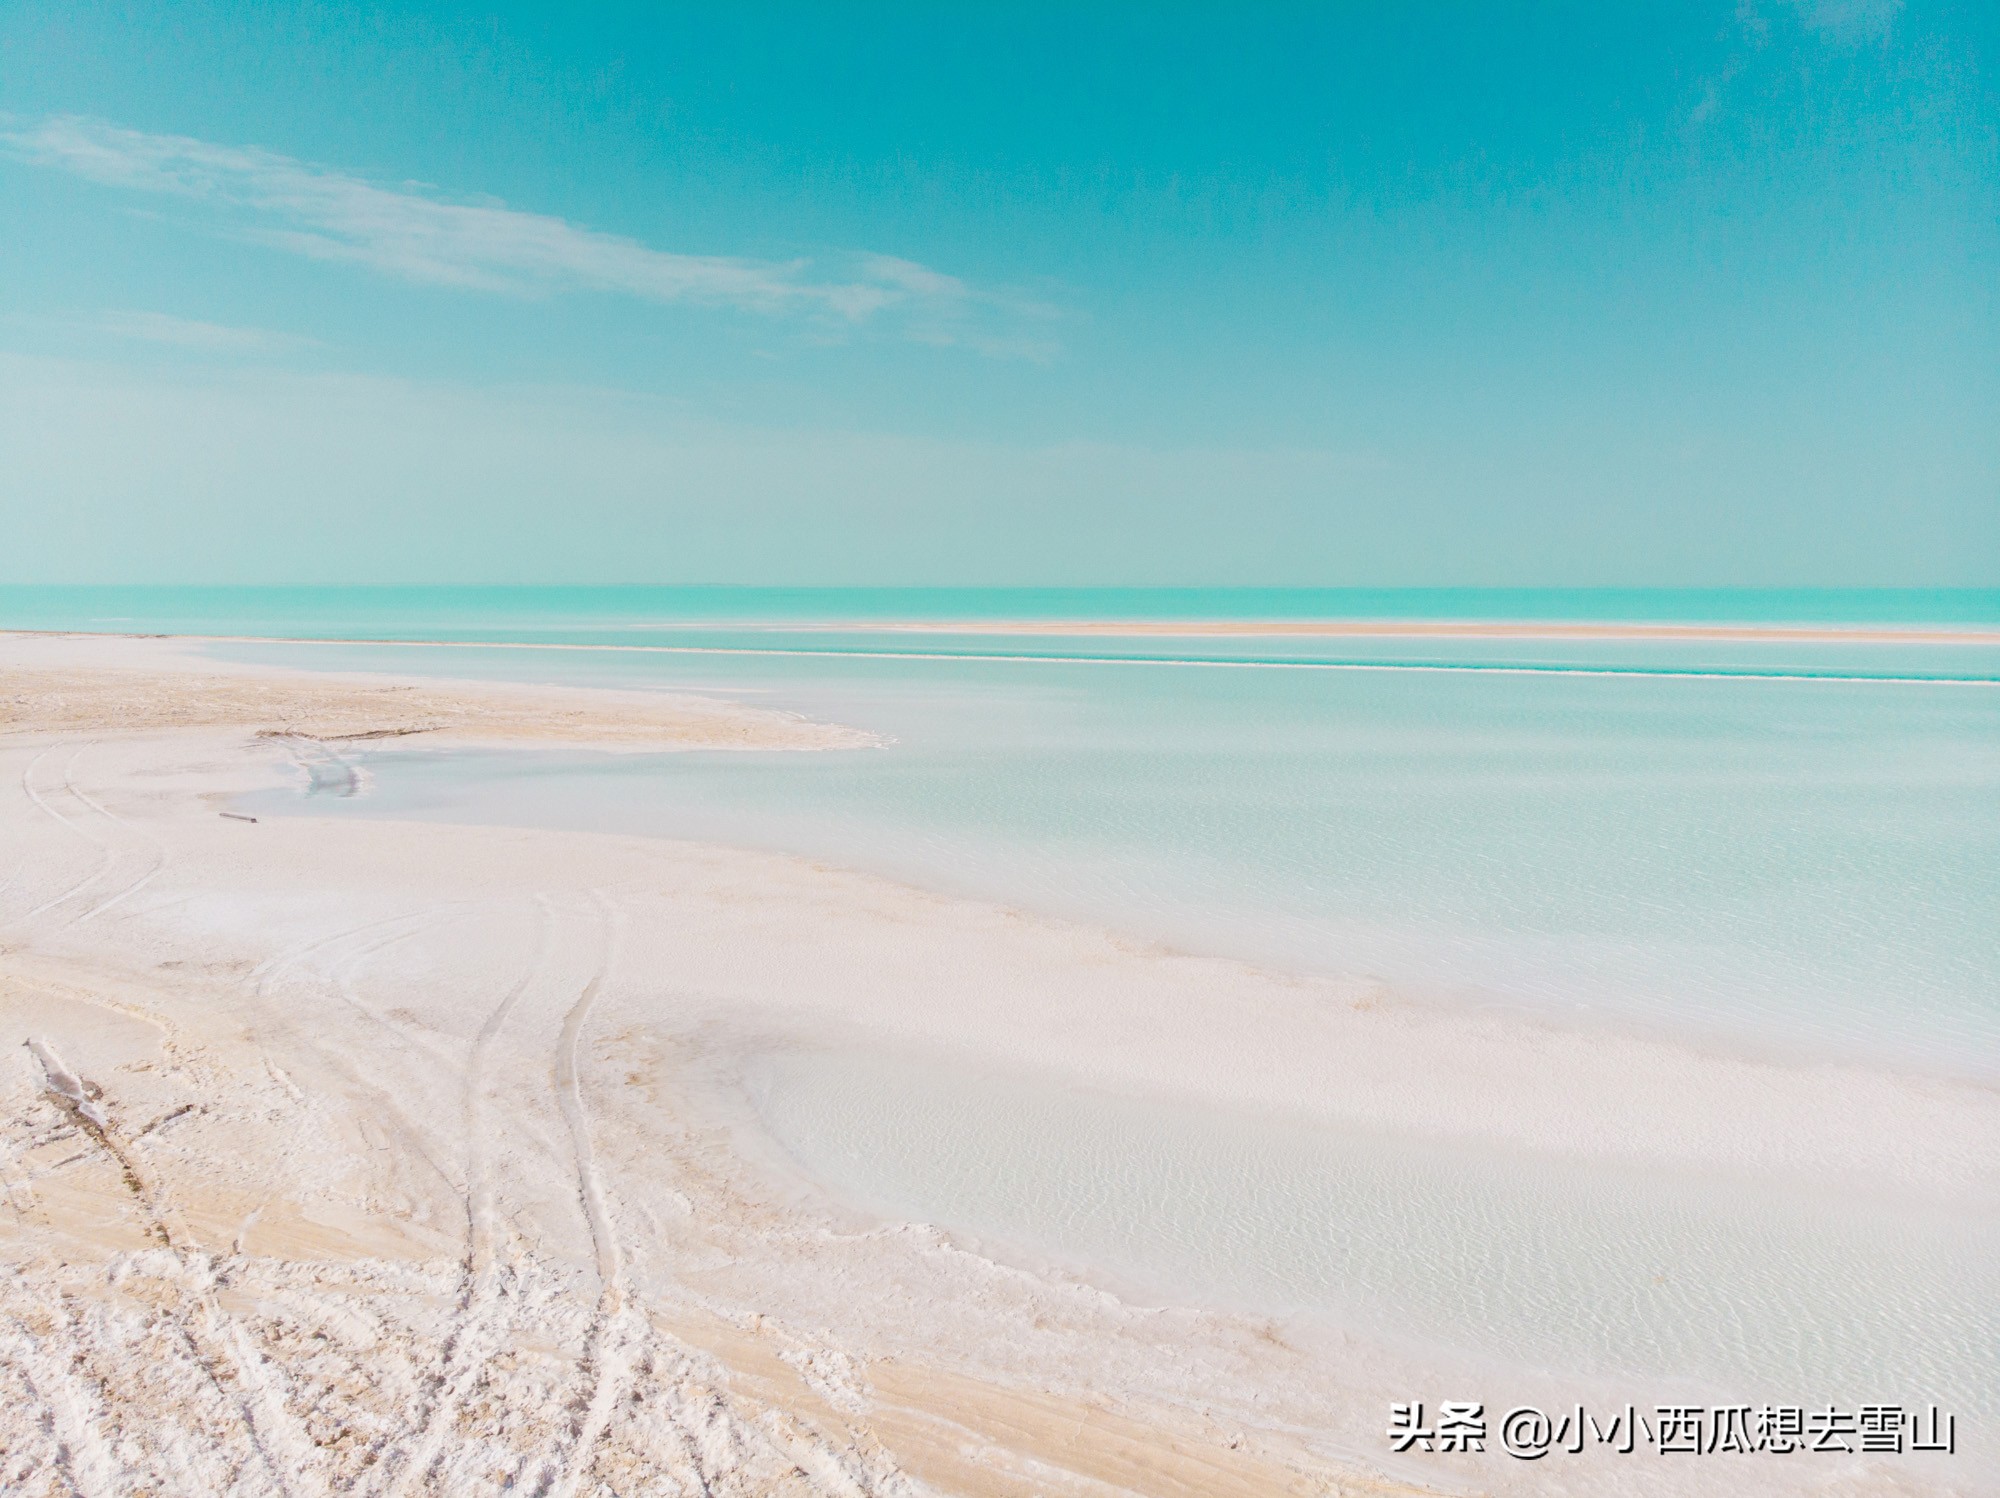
(516, 613)
(1806, 866)
(1761, 1294)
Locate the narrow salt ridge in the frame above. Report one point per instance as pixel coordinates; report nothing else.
(1275, 663)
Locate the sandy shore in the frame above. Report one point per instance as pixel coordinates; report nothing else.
(396, 1158)
(89, 684)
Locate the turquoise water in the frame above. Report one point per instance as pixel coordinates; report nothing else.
(608, 614)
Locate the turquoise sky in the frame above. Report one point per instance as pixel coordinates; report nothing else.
(1409, 294)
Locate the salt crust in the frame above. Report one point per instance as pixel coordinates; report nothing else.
(379, 1157)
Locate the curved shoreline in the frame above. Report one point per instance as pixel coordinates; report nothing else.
(119, 684)
(286, 1023)
(1457, 629)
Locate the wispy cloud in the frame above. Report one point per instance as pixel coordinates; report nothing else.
(1841, 23)
(187, 332)
(1849, 20)
(414, 233)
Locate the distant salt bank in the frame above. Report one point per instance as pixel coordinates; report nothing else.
(470, 615)
(1418, 629)
(1225, 629)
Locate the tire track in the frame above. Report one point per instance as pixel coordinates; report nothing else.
(110, 850)
(266, 972)
(72, 1402)
(479, 1167)
(607, 1361)
(219, 1345)
(105, 856)
(277, 1022)
(345, 970)
(340, 975)
(125, 824)
(389, 1096)
(569, 1096)
(484, 1312)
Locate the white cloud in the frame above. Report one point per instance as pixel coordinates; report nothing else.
(186, 332)
(411, 232)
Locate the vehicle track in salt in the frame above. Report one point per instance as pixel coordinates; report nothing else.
(484, 1313)
(215, 1341)
(126, 844)
(75, 1403)
(126, 828)
(343, 973)
(41, 803)
(276, 1023)
(607, 1359)
(539, 1027)
(366, 939)
(280, 1023)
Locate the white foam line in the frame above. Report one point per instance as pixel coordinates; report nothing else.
(1647, 672)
